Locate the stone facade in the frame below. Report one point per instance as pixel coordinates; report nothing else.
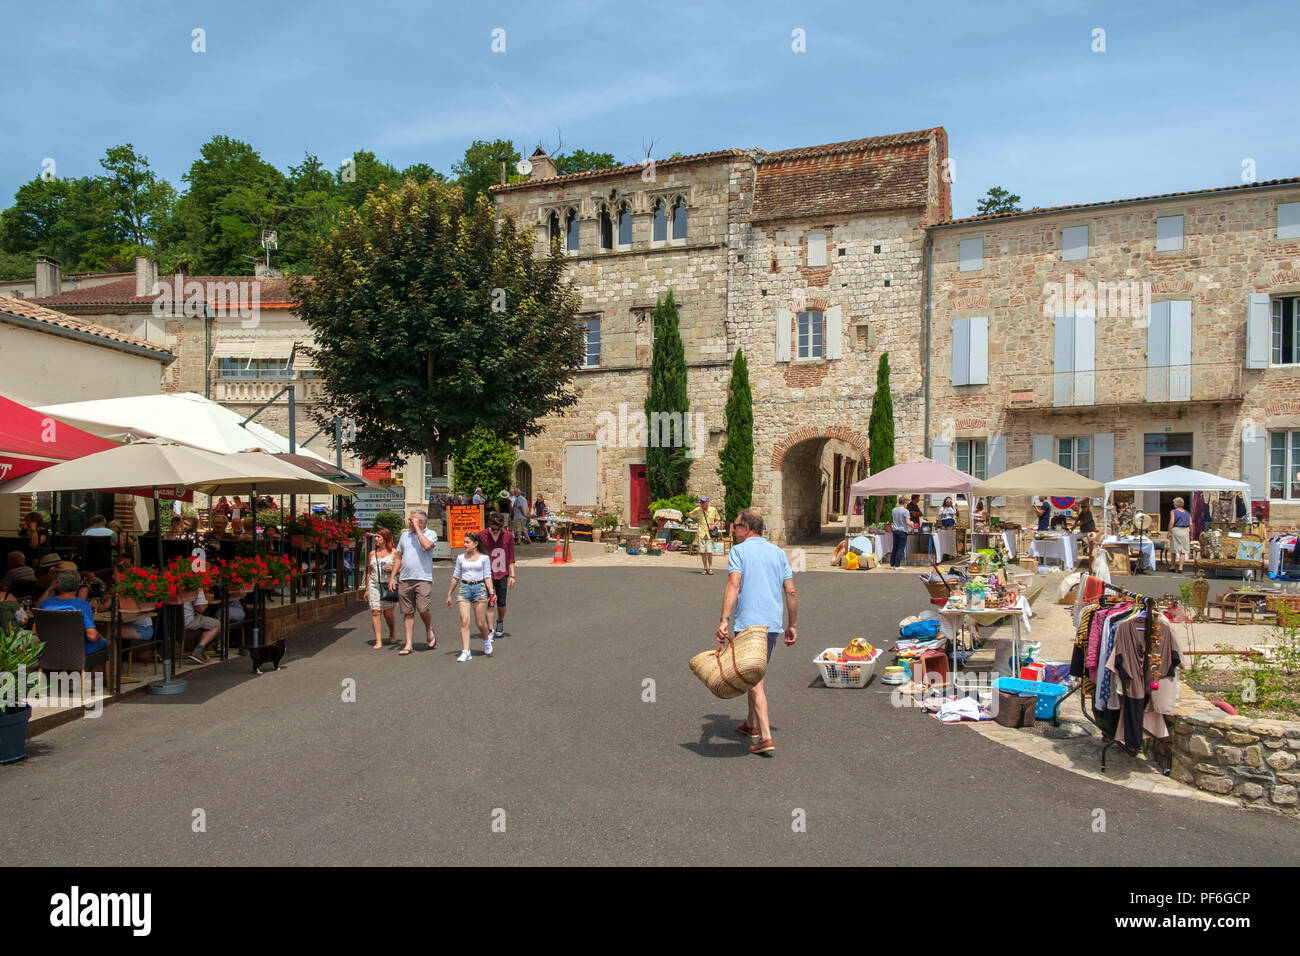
(744, 269)
(1230, 249)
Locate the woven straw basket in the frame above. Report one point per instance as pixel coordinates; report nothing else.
(736, 666)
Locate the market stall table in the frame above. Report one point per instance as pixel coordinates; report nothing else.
(1147, 546)
(1063, 548)
(984, 539)
(951, 618)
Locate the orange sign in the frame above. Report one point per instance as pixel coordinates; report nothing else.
(462, 518)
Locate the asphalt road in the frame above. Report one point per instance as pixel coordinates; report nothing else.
(552, 739)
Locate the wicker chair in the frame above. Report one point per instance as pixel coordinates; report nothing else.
(64, 635)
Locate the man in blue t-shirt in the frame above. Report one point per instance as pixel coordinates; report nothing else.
(758, 578)
(65, 599)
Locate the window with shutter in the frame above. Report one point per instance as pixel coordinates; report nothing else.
(816, 249)
(1074, 242)
(961, 351)
(1285, 328)
(1288, 220)
(971, 255)
(1169, 233)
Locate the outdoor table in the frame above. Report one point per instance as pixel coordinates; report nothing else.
(1146, 544)
(984, 539)
(950, 618)
(942, 543)
(1063, 548)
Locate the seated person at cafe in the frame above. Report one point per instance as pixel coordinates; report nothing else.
(220, 529)
(65, 599)
(246, 529)
(34, 532)
(98, 528)
(17, 571)
(48, 572)
(197, 620)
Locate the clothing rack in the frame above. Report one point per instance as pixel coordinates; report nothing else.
(1148, 626)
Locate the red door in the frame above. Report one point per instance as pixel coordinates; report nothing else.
(640, 495)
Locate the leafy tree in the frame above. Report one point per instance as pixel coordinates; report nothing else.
(736, 463)
(481, 168)
(582, 161)
(363, 175)
(482, 460)
(997, 199)
(880, 434)
(314, 204)
(67, 219)
(422, 173)
(15, 265)
(667, 467)
(431, 322)
(216, 225)
(394, 521)
(138, 201)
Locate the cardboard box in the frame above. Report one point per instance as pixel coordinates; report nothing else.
(1032, 672)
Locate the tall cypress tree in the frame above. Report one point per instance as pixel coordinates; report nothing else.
(667, 467)
(880, 433)
(736, 463)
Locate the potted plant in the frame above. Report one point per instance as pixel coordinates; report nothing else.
(605, 524)
(183, 581)
(20, 653)
(299, 528)
(140, 589)
(270, 570)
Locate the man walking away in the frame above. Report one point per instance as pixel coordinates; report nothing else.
(900, 517)
(412, 575)
(758, 576)
(499, 545)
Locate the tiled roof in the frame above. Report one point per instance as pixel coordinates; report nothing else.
(272, 293)
(568, 178)
(26, 309)
(1040, 210)
(860, 175)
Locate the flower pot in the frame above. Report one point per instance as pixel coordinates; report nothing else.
(184, 597)
(266, 584)
(13, 734)
(298, 540)
(332, 546)
(126, 603)
(234, 594)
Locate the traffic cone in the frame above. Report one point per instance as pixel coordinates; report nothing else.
(559, 553)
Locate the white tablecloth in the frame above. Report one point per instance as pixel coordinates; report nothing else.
(1276, 545)
(1062, 549)
(984, 539)
(1148, 548)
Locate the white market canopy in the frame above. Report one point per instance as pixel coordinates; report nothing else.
(185, 417)
(1177, 478)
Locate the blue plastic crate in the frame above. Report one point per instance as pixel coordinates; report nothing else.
(1046, 694)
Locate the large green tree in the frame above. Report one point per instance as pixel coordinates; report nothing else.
(68, 219)
(667, 467)
(482, 460)
(880, 435)
(736, 463)
(997, 199)
(139, 202)
(480, 168)
(582, 161)
(431, 322)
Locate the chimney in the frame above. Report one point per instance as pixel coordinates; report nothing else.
(146, 275)
(543, 165)
(49, 277)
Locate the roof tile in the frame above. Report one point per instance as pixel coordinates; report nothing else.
(25, 308)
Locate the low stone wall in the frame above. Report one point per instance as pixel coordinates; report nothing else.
(1256, 762)
(283, 620)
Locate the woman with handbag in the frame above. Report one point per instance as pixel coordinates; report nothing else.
(379, 570)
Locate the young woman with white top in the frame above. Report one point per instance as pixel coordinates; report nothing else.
(473, 569)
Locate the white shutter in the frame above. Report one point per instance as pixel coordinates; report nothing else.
(580, 474)
(1085, 347)
(1254, 461)
(940, 451)
(831, 333)
(995, 462)
(1288, 220)
(1257, 330)
(1169, 233)
(816, 249)
(979, 351)
(971, 255)
(1103, 457)
(783, 335)
(961, 351)
(1063, 363)
(1180, 350)
(1158, 352)
(1074, 242)
(1043, 448)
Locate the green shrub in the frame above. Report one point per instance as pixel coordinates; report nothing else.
(683, 503)
(394, 521)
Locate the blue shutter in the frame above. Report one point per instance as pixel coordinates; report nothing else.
(1158, 353)
(1254, 461)
(1074, 242)
(961, 351)
(783, 335)
(1044, 448)
(1180, 350)
(833, 332)
(971, 255)
(996, 462)
(1288, 220)
(978, 370)
(1063, 362)
(940, 451)
(1085, 347)
(1257, 330)
(1103, 457)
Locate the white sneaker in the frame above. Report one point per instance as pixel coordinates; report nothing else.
(463, 657)
(487, 647)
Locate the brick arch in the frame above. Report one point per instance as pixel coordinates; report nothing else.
(849, 435)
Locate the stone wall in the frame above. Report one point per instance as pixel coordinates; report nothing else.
(1230, 249)
(1254, 761)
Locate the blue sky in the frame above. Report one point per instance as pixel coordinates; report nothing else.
(1183, 93)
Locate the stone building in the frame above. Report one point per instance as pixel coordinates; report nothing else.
(808, 259)
(1124, 336)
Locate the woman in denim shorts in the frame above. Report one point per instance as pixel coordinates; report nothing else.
(470, 583)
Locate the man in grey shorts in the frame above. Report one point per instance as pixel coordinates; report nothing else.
(413, 576)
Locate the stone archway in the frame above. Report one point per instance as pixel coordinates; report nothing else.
(524, 479)
(802, 480)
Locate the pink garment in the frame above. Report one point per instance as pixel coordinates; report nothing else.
(1090, 662)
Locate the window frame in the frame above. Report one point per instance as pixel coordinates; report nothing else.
(624, 210)
(810, 342)
(604, 229)
(658, 215)
(1074, 453)
(972, 446)
(1290, 464)
(1182, 235)
(678, 203)
(572, 231)
(1087, 243)
(1277, 330)
(587, 324)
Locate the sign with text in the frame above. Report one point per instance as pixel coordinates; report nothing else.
(369, 502)
(462, 518)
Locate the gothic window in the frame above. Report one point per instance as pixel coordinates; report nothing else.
(660, 222)
(679, 218)
(606, 229)
(553, 228)
(625, 225)
(571, 230)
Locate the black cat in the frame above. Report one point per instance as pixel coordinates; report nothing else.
(267, 654)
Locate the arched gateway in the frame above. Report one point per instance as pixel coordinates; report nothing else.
(811, 470)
